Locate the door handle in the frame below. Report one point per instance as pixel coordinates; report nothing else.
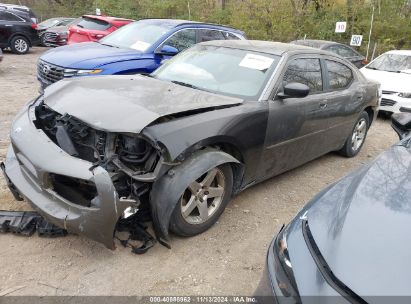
(323, 105)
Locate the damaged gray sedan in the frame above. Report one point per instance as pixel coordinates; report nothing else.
(214, 120)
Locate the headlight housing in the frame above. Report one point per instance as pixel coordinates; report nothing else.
(283, 268)
(77, 72)
(405, 95)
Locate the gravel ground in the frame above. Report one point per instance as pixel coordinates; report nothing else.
(226, 260)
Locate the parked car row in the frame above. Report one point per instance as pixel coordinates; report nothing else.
(19, 29)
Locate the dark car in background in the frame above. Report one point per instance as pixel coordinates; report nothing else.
(140, 47)
(58, 35)
(20, 8)
(338, 48)
(50, 23)
(17, 31)
(93, 28)
(214, 120)
(349, 243)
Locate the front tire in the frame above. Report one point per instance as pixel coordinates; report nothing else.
(356, 139)
(19, 45)
(203, 202)
(43, 40)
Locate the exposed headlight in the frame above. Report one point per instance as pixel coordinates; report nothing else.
(283, 267)
(75, 72)
(405, 95)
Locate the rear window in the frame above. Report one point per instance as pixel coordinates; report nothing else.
(93, 24)
(340, 76)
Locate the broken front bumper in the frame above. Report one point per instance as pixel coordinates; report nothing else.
(32, 158)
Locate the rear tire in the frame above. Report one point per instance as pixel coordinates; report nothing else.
(193, 214)
(356, 139)
(19, 45)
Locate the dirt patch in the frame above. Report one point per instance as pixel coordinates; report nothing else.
(226, 260)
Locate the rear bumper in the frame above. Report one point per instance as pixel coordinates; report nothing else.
(31, 158)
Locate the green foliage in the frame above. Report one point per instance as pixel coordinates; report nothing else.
(278, 20)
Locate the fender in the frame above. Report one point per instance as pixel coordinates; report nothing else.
(168, 189)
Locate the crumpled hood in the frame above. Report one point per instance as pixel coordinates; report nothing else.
(396, 82)
(89, 55)
(126, 103)
(362, 226)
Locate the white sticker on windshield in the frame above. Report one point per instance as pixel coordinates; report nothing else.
(256, 62)
(140, 46)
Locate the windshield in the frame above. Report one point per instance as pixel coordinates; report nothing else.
(138, 35)
(49, 23)
(228, 71)
(74, 22)
(391, 63)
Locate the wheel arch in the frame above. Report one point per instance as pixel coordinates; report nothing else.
(18, 35)
(371, 114)
(225, 144)
(167, 190)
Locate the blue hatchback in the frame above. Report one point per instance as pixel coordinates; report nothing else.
(139, 47)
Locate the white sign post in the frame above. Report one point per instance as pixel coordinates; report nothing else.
(340, 27)
(356, 40)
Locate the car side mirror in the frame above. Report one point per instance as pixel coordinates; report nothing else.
(401, 123)
(294, 90)
(167, 50)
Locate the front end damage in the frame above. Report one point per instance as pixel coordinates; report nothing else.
(80, 178)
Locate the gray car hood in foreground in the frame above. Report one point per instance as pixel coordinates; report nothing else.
(126, 103)
(362, 226)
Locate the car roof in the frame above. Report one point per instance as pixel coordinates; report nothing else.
(20, 13)
(14, 6)
(269, 47)
(314, 43)
(400, 52)
(107, 18)
(187, 23)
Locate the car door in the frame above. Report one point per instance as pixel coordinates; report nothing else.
(344, 95)
(295, 126)
(5, 28)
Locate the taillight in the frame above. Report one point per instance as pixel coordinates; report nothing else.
(33, 26)
(364, 62)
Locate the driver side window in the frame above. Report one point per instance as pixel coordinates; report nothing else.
(182, 39)
(306, 71)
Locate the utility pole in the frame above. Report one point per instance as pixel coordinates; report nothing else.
(369, 35)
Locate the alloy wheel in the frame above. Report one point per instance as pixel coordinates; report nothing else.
(21, 45)
(203, 197)
(358, 135)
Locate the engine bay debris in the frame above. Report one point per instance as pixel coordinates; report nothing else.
(26, 223)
